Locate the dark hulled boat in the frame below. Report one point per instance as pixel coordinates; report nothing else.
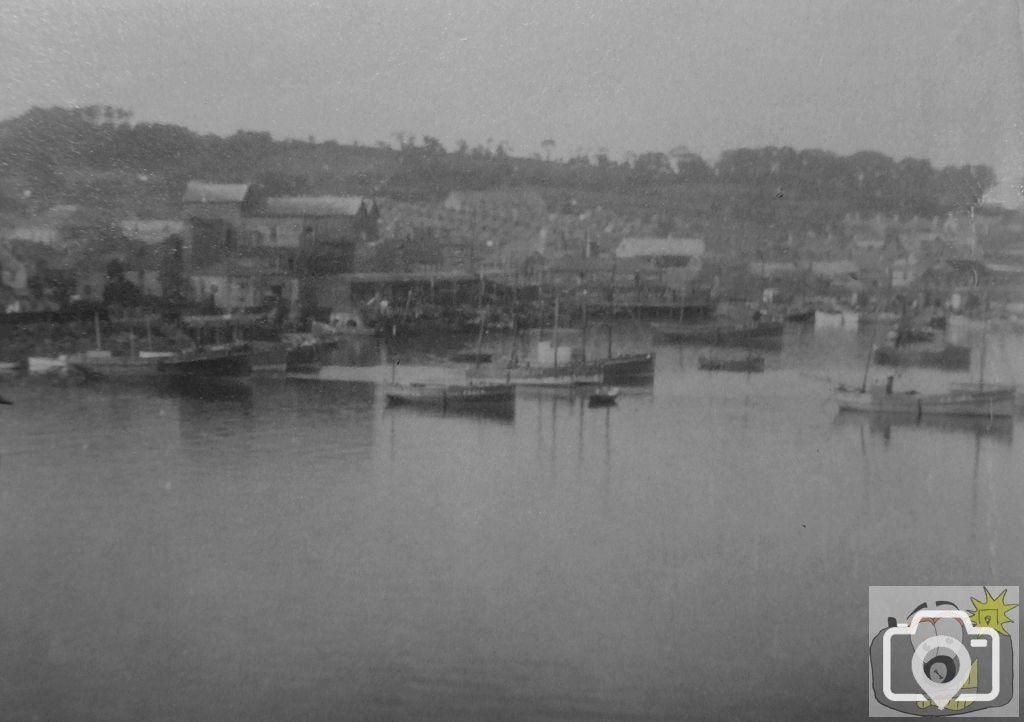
(802, 316)
(450, 396)
(950, 357)
(626, 369)
(224, 361)
(721, 334)
(603, 396)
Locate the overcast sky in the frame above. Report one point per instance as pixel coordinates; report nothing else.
(941, 80)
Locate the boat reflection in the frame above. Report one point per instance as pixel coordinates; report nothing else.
(999, 429)
(205, 388)
(500, 413)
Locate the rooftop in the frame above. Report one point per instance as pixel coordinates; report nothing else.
(634, 247)
(322, 206)
(200, 192)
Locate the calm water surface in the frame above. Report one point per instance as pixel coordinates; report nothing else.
(295, 550)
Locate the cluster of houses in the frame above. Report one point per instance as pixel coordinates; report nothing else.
(237, 249)
(240, 249)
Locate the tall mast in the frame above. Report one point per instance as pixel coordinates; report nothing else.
(554, 332)
(984, 343)
(584, 353)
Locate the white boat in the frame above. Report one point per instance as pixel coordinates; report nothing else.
(963, 399)
(986, 401)
(44, 364)
(836, 319)
(828, 319)
(548, 376)
(105, 364)
(343, 323)
(879, 399)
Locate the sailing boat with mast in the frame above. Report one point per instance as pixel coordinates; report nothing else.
(635, 368)
(973, 399)
(102, 363)
(557, 373)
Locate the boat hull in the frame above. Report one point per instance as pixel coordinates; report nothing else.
(539, 376)
(116, 366)
(634, 368)
(449, 396)
(984, 403)
(604, 396)
(42, 365)
(719, 334)
(950, 357)
(880, 402)
(208, 363)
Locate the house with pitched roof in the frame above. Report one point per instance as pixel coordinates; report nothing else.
(245, 247)
(218, 201)
(676, 261)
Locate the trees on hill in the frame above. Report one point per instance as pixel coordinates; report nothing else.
(42, 150)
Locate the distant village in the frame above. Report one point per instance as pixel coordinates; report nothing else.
(232, 249)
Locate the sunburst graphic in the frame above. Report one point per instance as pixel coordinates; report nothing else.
(992, 612)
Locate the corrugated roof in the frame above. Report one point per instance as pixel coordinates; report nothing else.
(313, 206)
(635, 247)
(200, 192)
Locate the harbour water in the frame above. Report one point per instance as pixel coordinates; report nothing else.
(292, 549)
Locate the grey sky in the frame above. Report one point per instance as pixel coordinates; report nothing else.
(935, 79)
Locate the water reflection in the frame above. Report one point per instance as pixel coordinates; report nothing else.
(301, 551)
(207, 389)
(998, 429)
(501, 413)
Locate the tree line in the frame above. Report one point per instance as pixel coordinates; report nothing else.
(40, 147)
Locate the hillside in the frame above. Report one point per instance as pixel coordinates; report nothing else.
(97, 157)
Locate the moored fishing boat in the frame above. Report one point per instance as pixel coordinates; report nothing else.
(990, 402)
(45, 364)
(445, 396)
(570, 375)
(971, 400)
(949, 356)
(986, 401)
(209, 361)
(721, 334)
(627, 368)
(105, 364)
(603, 396)
(878, 398)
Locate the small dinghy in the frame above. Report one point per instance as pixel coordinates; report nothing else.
(603, 396)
